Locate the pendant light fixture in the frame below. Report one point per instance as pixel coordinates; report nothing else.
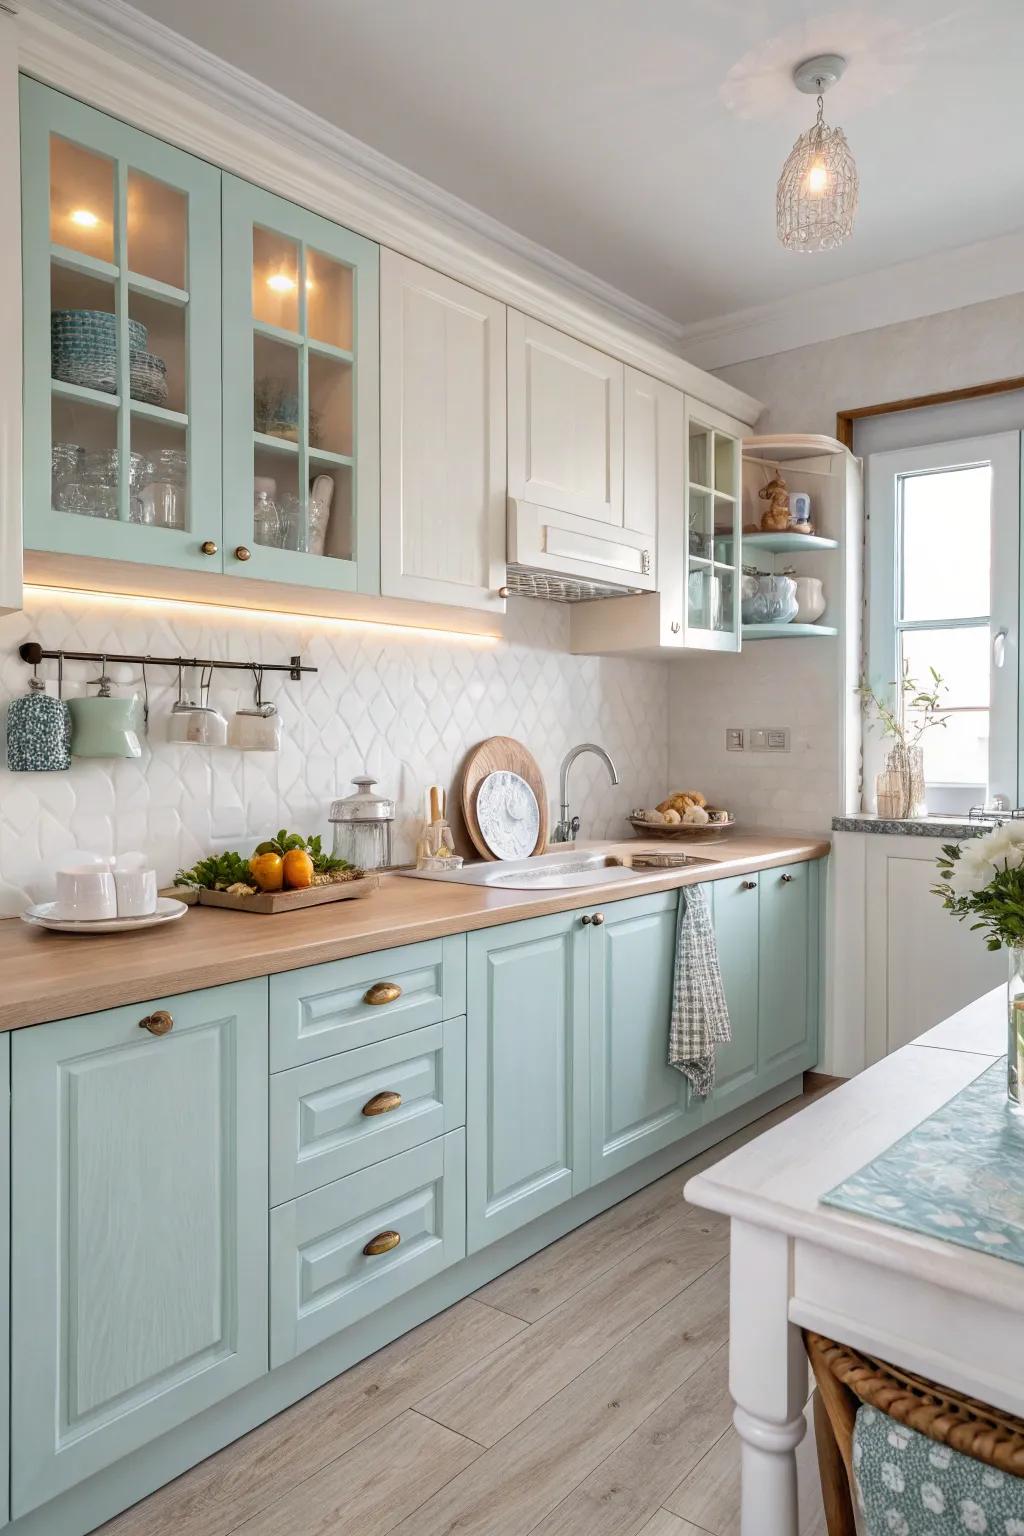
(816, 199)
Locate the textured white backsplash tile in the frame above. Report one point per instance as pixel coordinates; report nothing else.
(404, 705)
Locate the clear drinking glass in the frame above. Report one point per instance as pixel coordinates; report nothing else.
(163, 490)
(92, 489)
(266, 520)
(303, 524)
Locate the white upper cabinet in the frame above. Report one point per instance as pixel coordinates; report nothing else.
(443, 469)
(568, 512)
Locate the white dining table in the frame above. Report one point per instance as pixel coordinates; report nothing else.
(945, 1312)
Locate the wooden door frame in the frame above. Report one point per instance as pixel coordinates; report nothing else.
(845, 419)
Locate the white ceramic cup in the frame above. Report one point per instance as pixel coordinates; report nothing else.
(86, 893)
(136, 892)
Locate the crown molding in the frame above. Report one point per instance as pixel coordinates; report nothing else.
(143, 72)
(944, 280)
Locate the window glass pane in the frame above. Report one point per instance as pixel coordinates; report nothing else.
(275, 279)
(81, 199)
(328, 300)
(957, 752)
(946, 521)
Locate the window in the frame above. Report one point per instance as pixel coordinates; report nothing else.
(943, 594)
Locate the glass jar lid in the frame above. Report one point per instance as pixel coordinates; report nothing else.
(364, 805)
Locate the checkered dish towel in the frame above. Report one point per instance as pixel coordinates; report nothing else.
(700, 1017)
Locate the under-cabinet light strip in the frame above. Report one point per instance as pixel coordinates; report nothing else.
(263, 615)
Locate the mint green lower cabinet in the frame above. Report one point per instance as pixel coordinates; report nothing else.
(527, 1088)
(321, 1277)
(638, 1103)
(139, 1182)
(788, 942)
(331, 1118)
(736, 934)
(5, 1273)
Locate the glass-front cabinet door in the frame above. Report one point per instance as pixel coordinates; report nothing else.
(711, 595)
(122, 339)
(301, 461)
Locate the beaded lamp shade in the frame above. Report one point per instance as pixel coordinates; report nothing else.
(816, 199)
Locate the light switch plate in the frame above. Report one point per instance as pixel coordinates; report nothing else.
(733, 739)
(772, 738)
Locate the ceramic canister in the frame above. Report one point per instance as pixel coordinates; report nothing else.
(104, 727)
(38, 732)
(810, 599)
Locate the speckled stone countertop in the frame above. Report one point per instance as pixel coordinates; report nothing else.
(932, 826)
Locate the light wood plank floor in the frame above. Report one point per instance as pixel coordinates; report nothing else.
(584, 1393)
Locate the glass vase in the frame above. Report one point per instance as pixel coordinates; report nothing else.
(899, 788)
(1015, 1039)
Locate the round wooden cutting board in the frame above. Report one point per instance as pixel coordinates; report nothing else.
(501, 754)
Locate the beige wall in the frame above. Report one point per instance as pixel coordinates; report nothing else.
(803, 389)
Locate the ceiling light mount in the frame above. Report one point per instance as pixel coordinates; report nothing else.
(815, 76)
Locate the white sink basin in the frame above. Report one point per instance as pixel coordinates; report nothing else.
(545, 872)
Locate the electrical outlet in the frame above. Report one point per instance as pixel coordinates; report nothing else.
(733, 739)
(770, 739)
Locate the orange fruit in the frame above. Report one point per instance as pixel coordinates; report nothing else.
(298, 868)
(267, 870)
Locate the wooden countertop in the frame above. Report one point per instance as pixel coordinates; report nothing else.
(56, 975)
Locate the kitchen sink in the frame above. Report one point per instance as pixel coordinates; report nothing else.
(545, 872)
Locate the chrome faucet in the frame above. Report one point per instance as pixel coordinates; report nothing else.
(568, 826)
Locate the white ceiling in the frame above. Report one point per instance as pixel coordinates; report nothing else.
(642, 141)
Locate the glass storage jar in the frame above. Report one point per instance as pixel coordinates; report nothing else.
(362, 826)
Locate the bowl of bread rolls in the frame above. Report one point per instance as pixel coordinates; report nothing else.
(683, 814)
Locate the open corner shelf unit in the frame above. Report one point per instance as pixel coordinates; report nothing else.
(785, 631)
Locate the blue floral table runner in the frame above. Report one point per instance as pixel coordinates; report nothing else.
(959, 1175)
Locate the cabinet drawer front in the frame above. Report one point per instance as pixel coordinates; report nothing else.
(321, 1278)
(140, 1227)
(319, 1126)
(323, 1009)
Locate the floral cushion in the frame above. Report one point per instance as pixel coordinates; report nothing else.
(908, 1485)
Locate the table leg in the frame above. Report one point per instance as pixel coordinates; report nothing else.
(767, 1379)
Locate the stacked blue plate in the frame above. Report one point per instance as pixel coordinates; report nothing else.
(83, 351)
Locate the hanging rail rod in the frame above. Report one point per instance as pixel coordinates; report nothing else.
(32, 653)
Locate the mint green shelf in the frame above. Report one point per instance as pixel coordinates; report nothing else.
(788, 543)
(786, 631)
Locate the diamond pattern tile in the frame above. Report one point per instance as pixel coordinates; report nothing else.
(406, 707)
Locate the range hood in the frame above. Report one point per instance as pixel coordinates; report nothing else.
(567, 558)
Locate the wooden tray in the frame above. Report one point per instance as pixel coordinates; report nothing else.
(291, 901)
(495, 755)
(679, 829)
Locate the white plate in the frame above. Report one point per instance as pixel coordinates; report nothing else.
(508, 815)
(42, 916)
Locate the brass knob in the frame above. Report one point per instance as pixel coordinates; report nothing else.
(597, 919)
(382, 1103)
(749, 885)
(158, 1023)
(382, 992)
(382, 1243)
(586, 919)
(504, 592)
(787, 879)
(208, 547)
(242, 553)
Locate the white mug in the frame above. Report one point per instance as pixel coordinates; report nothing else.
(86, 893)
(136, 892)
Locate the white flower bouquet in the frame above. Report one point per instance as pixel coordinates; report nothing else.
(983, 878)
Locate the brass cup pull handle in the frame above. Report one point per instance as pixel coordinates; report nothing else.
(158, 1023)
(786, 879)
(242, 553)
(382, 992)
(749, 885)
(598, 919)
(382, 1103)
(208, 547)
(382, 1243)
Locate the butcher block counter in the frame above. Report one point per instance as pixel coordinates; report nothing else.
(52, 975)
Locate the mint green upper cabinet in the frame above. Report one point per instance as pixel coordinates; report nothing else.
(638, 1103)
(526, 1082)
(122, 414)
(301, 405)
(736, 929)
(788, 944)
(139, 1276)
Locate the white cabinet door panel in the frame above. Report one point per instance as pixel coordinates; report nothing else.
(443, 460)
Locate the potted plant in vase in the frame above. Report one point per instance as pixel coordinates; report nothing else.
(899, 788)
(983, 879)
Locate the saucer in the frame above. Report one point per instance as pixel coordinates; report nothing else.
(44, 916)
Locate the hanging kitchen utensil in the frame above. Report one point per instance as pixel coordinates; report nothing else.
(39, 728)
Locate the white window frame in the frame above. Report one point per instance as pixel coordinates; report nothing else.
(884, 579)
